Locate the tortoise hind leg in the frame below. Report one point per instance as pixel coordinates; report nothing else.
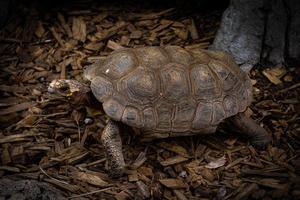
(112, 143)
(259, 137)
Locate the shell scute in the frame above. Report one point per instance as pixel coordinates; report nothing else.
(204, 83)
(179, 55)
(140, 86)
(119, 64)
(102, 88)
(174, 82)
(184, 115)
(152, 57)
(132, 117)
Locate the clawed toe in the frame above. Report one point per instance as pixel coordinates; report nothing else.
(116, 172)
(260, 145)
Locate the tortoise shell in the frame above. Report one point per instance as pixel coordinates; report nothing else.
(170, 91)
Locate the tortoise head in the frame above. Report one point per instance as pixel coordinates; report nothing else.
(67, 87)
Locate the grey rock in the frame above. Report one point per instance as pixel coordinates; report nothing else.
(242, 30)
(28, 189)
(260, 31)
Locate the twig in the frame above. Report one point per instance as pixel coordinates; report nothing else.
(289, 88)
(52, 177)
(82, 165)
(44, 117)
(245, 172)
(10, 40)
(53, 114)
(237, 161)
(18, 137)
(89, 193)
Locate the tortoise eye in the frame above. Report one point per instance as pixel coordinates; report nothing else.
(64, 88)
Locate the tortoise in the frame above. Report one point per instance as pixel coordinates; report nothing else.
(167, 92)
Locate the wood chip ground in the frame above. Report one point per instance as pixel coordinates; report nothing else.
(47, 138)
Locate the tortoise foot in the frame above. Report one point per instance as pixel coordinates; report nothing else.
(261, 143)
(258, 136)
(112, 143)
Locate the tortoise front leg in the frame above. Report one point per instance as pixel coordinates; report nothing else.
(259, 137)
(112, 143)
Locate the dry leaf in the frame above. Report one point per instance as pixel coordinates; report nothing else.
(174, 148)
(173, 160)
(89, 178)
(216, 163)
(274, 74)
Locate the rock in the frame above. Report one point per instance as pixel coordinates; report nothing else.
(241, 31)
(256, 31)
(28, 189)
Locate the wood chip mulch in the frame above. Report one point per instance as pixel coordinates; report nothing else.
(47, 138)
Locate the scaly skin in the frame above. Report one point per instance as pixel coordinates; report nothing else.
(112, 143)
(258, 136)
